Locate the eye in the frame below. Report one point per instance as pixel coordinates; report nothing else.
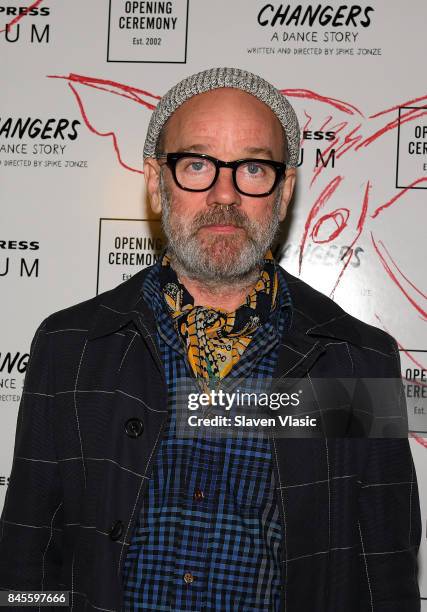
(196, 166)
(193, 165)
(253, 169)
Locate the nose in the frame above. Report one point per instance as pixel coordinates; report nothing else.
(223, 191)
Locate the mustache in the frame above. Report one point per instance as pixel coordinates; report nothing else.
(221, 215)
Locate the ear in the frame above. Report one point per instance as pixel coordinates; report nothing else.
(288, 189)
(152, 183)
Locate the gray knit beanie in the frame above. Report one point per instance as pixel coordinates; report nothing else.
(215, 78)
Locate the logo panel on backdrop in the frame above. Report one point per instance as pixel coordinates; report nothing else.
(411, 162)
(126, 246)
(148, 32)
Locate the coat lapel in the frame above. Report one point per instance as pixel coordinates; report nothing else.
(125, 304)
(299, 462)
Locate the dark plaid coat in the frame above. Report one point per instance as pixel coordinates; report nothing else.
(89, 424)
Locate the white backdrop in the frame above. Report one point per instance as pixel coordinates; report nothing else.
(80, 80)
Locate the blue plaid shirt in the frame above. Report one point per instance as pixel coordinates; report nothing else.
(208, 536)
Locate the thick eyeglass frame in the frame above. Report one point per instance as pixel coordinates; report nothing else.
(173, 158)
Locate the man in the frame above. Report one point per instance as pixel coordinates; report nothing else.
(106, 501)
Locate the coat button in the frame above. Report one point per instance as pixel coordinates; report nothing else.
(134, 427)
(116, 530)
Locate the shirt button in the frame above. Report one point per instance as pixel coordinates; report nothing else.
(198, 494)
(188, 577)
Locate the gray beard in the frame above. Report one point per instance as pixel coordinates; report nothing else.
(190, 257)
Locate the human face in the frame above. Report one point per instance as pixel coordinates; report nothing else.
(220, 234)
(194, 255)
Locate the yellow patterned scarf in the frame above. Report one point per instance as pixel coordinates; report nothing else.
(214, 338)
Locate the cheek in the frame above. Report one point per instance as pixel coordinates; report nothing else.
(186, 205)
(259, 210)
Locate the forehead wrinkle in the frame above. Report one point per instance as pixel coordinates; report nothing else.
(260, 151)
(203, 148)
(197, 148)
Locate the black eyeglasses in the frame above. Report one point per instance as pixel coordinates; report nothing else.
(198, 172)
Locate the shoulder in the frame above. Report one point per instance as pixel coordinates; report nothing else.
(84, 315)
(319, 315)
(79, 315)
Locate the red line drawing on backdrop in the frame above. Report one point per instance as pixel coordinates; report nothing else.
(339, 216)
(112, 87)
(21, 16)
(343, 143)
(354, 132)
(418, 439)
(394, 272)
(353, 140)
(312, 95)
(103, 134)
(378, 210)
